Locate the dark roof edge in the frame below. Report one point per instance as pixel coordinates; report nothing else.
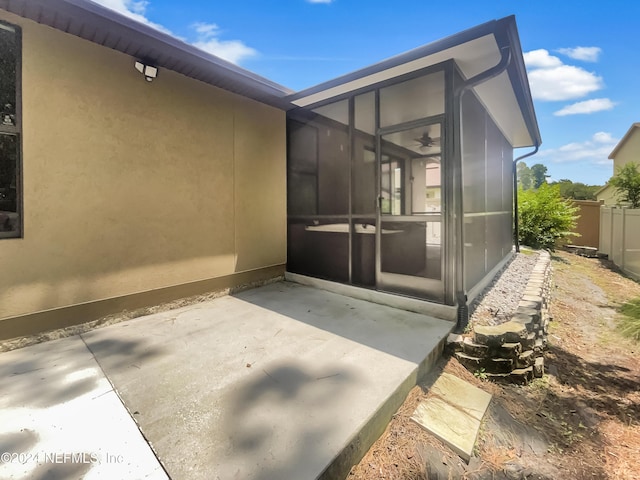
(519, 79)
(263, 89)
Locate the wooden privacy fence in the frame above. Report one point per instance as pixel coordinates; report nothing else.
(620, 238)
(588, 225)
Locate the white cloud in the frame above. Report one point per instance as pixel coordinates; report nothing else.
(207, 38)
(565, 82)
(139, 6)
(586, 54)
(134, 9)
(586, 107)
(233, 51)
(541, 59)
(552, 80)
(604, 137)
(596, 150)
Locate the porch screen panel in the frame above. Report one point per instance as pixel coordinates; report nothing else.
(364, 158)
(363, 191)
(332, 122)
(498, 217)
(507, 195)
(318, 192)
(474, 187)
(302, 168)
(488, 213)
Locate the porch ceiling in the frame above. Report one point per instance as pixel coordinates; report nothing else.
(507, 96)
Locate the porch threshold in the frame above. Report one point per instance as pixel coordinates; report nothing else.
(424, 307)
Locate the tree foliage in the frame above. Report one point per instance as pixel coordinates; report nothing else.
(525, 180)
(531, 177)
(545, 217)
(539, 175)
(576, 190)
(626, 181)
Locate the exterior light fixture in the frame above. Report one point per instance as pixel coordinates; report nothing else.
(149, 71)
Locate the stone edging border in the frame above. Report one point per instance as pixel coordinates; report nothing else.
(512, 351)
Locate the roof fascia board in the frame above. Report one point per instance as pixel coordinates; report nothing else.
(518, 75)
(624, 140)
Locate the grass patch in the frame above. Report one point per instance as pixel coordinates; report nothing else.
(630, 321)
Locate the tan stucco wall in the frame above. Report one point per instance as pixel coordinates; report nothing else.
(629, 152)
(607, 196)
(131, 186)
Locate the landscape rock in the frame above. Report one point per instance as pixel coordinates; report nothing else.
(522, 375)
(499, 365)
(509, 350)
(496, 335)
(474, 349)
(526, 359)
(538, 367)
(512, 349)
(471, 363)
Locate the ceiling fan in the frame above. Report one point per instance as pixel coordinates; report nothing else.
(425, 141)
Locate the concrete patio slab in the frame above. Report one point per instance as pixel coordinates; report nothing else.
(283, 381)
(61, 419)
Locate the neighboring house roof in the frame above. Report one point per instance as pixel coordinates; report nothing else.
(93, 22)
(602, 190)
(507, 96)
(624, 140)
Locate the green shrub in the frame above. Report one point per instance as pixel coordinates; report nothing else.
(545, 217)
(626, 181)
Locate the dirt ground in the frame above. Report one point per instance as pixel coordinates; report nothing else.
(580, 421)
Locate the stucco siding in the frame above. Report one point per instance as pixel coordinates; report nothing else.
(629, 151)
(131, 186)
(258, 174)
(607, 196)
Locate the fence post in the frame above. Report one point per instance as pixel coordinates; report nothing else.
(622, 240)
(600, 232)
(611, 256)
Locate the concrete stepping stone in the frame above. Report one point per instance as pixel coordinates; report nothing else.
(453, 413)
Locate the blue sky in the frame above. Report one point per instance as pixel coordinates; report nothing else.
(582, 58)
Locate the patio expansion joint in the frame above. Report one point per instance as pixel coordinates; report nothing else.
(124, 405)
